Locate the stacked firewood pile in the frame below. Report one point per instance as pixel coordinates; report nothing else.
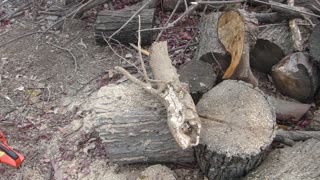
(234, 120)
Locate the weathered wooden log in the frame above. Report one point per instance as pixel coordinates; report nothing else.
(314, 43)
(287, 110)
(210, 48)
(238, 128)
(274, 42)
(133, 127)
(110, 21)
(296, 76)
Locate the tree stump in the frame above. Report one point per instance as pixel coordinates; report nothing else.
(238, 127)
(110, 21)
(133, 127)
(274, 42)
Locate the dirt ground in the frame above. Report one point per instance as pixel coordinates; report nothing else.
(35, 75)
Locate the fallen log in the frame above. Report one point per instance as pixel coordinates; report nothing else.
(273, 43)
(296, 76)
(286, 110)
(133, 127)
(183, 120)
(238, 127)
(108, 22)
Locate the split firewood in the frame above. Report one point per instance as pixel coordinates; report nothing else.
(274, 42)
(183, 120)
(296, 76)
(237, 31)
(133, 126)
(210, 48)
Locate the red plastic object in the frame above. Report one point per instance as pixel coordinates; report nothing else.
(8, 155)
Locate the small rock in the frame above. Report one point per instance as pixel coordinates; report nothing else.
(157, 172)
(200, 77)
(296, 76)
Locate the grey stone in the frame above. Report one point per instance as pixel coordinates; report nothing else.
(296, 76)
(199, 76)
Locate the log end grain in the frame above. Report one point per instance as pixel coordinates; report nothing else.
(238, 129)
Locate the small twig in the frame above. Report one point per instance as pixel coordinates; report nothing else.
(216, 60)
(139, 51)
(122, 58)
(2, 3)
(190, 9)
(289, 8)
(169, 19)
(11, 15)
(316, 8)
(143, 51)
(183, 47)
(167, 27)
(19, 37)
(134, 15)
(72, 55)
(219, 2)
(147, 87)
(4, 33)
(295, 31)
(317, 1)
(186, 4)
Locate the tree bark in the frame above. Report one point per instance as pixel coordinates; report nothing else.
(110, 21)
(133, 127)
